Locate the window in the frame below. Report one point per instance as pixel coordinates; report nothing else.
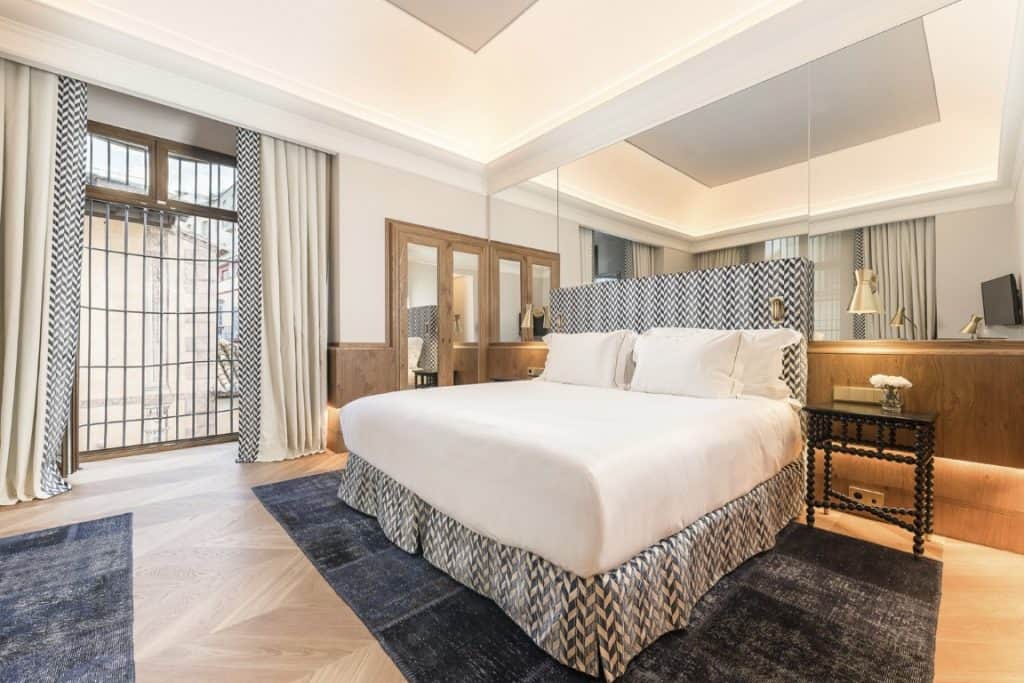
(830, 267)
(782, 247)
(157, 360)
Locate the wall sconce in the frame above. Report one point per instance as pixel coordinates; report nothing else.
(971, 327)
(865, 295)
(900, 319)
(776, 309)
(527, 322)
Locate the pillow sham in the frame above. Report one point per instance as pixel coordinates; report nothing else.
(587, 358)
(760, 356)
(700, 365)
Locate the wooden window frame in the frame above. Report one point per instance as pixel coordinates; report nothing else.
(160, 150)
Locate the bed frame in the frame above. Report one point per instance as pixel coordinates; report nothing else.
(598, 624)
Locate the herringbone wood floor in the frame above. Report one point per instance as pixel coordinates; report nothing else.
(222, 593)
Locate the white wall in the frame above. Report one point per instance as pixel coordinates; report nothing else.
(124, 111)
(971, 247)
(668, 260)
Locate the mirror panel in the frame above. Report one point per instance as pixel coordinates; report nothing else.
(421, 315)
(467, 311)
(902, 122)
(510, 301)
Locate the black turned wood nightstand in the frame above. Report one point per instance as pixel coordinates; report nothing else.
(867, 431)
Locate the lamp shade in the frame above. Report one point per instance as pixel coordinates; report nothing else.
(900, 318)
(527, 322)
(865, 298)
(971, 327)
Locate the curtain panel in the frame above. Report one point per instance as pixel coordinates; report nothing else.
(283, 233)
(903, 256)
(42, 197)
(639, 260)
(722, 258)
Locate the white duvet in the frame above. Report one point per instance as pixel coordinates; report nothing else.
(584, 477)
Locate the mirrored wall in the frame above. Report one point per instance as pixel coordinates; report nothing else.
(877, 161)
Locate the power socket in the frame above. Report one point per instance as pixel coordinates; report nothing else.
(534, 372)
(867, 496)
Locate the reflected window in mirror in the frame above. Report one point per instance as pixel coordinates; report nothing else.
(465, 298)
(609, 257)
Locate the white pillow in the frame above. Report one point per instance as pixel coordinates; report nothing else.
(587, 358)
(760, 356)
(761, 353)
(701, 365)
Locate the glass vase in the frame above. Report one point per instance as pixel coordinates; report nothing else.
(892, 400)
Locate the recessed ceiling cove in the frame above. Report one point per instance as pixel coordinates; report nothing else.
(879, 87)
(470, 23)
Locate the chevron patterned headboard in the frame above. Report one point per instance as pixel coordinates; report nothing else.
(720, 298)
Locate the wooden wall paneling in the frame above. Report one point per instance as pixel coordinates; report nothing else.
(354, 371)
(510, 361)
(974, 386)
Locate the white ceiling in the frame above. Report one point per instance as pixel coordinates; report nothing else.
(767, 127)
(470, 23)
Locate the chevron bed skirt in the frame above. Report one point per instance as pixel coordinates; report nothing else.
(594, 624)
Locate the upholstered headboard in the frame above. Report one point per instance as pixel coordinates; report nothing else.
(721, 298)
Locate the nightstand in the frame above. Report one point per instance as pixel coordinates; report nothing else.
(867, 431)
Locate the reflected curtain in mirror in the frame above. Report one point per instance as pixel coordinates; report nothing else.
(722, 258)
(902, 254)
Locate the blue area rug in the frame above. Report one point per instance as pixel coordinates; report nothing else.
(818, 607)
(66, 603)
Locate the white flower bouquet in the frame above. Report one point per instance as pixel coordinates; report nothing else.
(880, 381)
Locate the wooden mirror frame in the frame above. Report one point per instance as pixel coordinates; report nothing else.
(527, 258)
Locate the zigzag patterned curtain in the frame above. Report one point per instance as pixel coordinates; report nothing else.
(283, 195)
(42, 201)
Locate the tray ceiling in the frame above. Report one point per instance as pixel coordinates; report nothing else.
(879, 87)
(470, 23)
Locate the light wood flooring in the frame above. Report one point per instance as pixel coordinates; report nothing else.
(222, 593)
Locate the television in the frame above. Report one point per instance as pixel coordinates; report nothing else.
(1001, 301)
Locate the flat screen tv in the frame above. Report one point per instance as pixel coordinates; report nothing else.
(1001, 300)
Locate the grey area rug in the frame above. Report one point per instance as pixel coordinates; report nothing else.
(66, 603)
(818, 607)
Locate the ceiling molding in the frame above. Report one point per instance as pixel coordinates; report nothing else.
(787, 40)
(533, 195)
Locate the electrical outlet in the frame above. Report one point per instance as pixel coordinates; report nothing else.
(534, 372)
(867, 496)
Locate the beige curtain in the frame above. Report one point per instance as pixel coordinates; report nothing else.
(294, 185)
(643, 259)
(720, 258)
(28, 125)
(586, 255)
(903, 255)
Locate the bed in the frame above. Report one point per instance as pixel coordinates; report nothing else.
(595, 518)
